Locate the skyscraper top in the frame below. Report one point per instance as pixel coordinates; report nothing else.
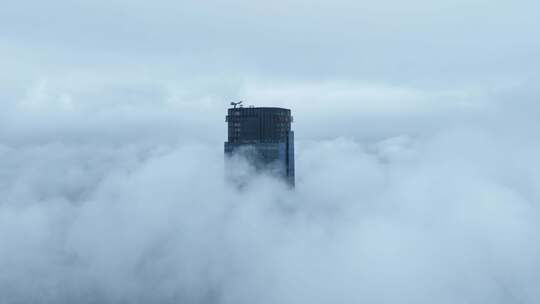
(264, 136)
(261, 124)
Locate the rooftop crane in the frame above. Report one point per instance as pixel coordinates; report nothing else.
(235, 104)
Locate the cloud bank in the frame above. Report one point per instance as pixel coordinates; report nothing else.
(127, 206)
(417, 154)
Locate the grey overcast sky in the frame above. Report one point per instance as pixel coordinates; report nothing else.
(464, 45)
(417, 152)
(356, 60)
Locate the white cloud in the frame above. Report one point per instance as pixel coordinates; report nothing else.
(417, 158)
(446, 218)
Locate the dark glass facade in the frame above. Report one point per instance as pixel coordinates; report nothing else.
(264, 136)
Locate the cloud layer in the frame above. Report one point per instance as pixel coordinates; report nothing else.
(417, 152)
(100, 211)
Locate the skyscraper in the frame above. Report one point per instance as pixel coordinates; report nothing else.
(264, 137)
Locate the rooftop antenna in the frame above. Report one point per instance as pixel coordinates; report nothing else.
(235, 104)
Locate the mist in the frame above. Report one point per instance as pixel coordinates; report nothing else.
(416, 128)
(133, 206)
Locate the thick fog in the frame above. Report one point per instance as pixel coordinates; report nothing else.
(129, 205)
(417, 142)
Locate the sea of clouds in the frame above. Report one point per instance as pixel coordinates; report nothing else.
(127, 203)
(417, 152)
